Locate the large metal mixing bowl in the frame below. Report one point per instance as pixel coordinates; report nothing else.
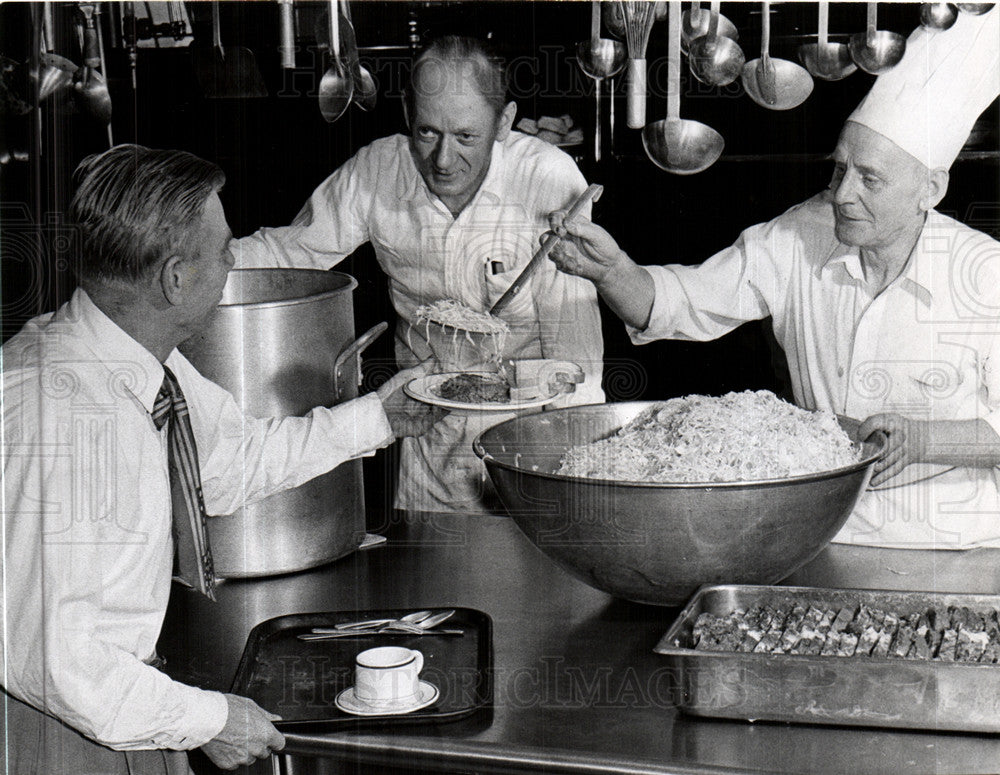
(656, 543)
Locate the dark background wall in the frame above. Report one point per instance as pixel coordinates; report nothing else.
(275, 150)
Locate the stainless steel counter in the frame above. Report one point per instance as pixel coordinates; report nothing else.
(578, 688)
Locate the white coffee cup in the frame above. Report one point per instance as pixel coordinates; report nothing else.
(387, 675)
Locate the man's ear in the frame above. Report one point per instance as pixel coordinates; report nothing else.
(173, 280)
(406, 113)
(505, 121)
(936, 188)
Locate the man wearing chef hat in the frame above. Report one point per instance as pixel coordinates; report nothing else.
(887, 310)
(453, 210)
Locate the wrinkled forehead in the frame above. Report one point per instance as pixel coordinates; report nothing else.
(864, 147)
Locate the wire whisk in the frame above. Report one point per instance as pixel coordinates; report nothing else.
(639, 16)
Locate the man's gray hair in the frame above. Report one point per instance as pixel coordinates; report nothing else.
(134, 206)
(489, 69)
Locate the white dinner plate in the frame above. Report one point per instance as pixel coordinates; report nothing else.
(348, 703)
(424, 389)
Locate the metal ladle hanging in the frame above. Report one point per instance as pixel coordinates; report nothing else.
(976, 9)
(714, 59)
(55, 72)
(876, 51)
(336, 88)
(92, 95)
(823, 59)
(365, 92)
(695, 23)
(683, 147)
(599, 58)
(776, 84)
(938, 16)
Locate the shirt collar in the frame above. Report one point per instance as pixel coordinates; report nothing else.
(917, 277)
(133, 368)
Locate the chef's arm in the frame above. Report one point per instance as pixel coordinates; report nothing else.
(328, 228)
(592, 253)
(965, 443)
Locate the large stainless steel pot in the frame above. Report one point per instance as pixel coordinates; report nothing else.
(282, 342)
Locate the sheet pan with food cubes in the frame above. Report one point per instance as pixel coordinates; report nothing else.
(839, 656)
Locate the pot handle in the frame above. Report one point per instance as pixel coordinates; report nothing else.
(354, 350)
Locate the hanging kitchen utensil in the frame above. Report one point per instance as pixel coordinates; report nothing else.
(938, 16)
(592, 193)
(683, 147)
(90, 89)
(55, 72)
(613, 19)
(599, 58)
(287, 30)
(823, 59)
(715, 59)
(876, 51)
(976, 9)
(227, 71)
(695, 22)
(104, 65)
(776, 84)
(130, 38)
(336, 88)
(639, 17)
(365, 92)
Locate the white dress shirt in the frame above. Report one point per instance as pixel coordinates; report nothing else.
(87, 518)
(378, 196)
(927, 347)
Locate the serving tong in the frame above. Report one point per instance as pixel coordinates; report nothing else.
(415, 623)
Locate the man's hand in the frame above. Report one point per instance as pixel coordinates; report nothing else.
(247, 736)
(586, 249)
(408, 417)
(908, 443)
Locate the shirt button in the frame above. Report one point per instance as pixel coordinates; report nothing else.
(840, 371)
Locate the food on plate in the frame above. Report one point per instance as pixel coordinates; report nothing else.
(952, 634)
(475, 389)
(737, 437)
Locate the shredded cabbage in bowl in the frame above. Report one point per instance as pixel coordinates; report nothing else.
(737, 437)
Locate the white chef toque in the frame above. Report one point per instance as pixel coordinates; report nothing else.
(928, 103)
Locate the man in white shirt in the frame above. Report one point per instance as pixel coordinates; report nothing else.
(887, 310)
(114, 449)
(454, 210)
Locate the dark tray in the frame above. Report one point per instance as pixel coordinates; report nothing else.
(299, 680)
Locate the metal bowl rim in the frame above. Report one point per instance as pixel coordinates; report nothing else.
(880, 441)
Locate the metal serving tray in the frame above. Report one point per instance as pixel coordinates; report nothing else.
(301, 679)
(864, 691)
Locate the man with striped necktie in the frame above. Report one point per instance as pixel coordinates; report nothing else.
(114, 451)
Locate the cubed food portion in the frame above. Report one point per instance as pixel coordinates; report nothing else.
(951, 634)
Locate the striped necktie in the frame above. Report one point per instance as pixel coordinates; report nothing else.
(193, 555)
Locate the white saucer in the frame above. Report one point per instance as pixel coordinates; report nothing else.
(348, 703)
